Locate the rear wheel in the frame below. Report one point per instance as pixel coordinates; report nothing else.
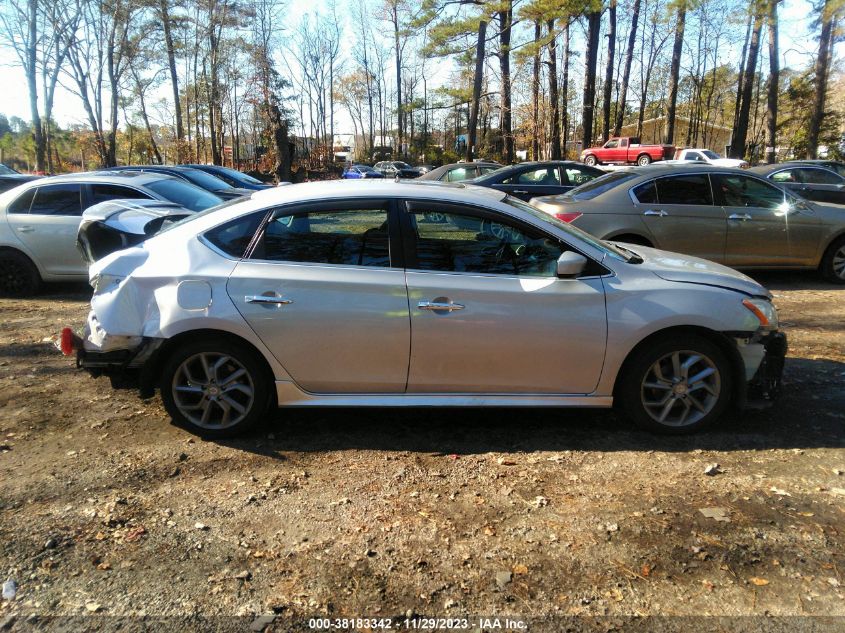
(643, 160)
(677, 385)
(833, 263)
(215, 388)
(18, 275)
(591, 160)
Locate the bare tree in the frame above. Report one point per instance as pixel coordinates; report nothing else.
(675, 69)
(608, 73)
(626, 73)
(773, 85)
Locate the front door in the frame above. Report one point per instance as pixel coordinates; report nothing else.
(488, 313)
(679, 213)
(321, 291)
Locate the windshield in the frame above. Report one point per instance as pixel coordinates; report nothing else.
(593, 241)
(710, 155)
(239, 175)
(6, 170)
(400, 165)
(184, 194)
(204, 180)
(596, 187)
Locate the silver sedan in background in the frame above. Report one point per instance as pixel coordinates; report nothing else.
(724, 215)
(402, 294)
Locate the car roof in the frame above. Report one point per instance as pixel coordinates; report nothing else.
(768, 169)
(104, 177)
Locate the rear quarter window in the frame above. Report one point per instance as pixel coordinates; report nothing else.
(22, 203)
(234, 236)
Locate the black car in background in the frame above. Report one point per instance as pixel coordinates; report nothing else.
(233, 177)
(10, 181)
(392, 168)
(194, 176)
(810, 180)
(539, 178)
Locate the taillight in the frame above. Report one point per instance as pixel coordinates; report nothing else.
(66, 343)
(568, 217)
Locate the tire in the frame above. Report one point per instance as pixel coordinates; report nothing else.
(832, 267)
(18, 275)
(643, 160)
(651, 387)
(197, 388)
(591, 160)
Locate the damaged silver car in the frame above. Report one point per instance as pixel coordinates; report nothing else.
(420, 294)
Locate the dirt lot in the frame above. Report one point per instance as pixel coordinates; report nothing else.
(108, 509)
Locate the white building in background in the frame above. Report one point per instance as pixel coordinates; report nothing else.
(343, 147)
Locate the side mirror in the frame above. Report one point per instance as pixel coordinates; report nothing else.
(571, 264)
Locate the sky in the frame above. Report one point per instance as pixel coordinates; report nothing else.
(797, 47)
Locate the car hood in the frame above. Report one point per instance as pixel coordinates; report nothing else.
(694, 270)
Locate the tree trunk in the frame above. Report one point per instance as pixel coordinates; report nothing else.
(741, 73)
(674, 74)
(174, 78)
(398, 53)
(608, 71)
(554, 97)
(565, 89)
(535, 95)
(822, 64)
(741, 130)
(626, 73)
(32, 85)
(505, 21)
(591, 56)
(774, 79)
(476, 89)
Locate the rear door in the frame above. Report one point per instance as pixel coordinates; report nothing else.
(488, 313)
(324, 290)
(679, 213)
(821, 185)
(48, 229)
(533, 181)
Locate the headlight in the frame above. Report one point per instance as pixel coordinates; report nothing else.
(765, 312)
(103, 282)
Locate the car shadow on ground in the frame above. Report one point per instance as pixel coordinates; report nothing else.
(776, 280)
(810, 414)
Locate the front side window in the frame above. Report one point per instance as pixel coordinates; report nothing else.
(687, 189)
(102, 193)
(64, 199)
(611, 145)
(742, 191)
(487, 170)
(576, 176)
(452, 242)
(349, 237)
(544, 176)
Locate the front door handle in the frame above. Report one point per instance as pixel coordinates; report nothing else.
(739, 216)
(520, 191)
(267, 299)
(660, 212)
(446, 306)
(25, 229)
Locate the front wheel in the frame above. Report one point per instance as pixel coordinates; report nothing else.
(677, 385)
(833, 263)
(215, 388)
(591, 160)
(644, 160)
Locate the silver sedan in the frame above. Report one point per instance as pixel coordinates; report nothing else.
(386, 294)
(724, 215)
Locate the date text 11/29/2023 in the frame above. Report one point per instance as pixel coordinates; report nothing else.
(417, 623)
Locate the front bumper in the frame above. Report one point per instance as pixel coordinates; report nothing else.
(765, 384)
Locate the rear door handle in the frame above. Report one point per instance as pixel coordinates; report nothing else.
(25, 229)
(520, 191)
(439, 305)
(267, 299)
(739, 216)
(660, 212)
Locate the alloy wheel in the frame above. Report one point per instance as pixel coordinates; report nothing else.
(838, 262)
(213, 390)
(680, 388)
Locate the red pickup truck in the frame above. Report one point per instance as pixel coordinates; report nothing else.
(626, 149)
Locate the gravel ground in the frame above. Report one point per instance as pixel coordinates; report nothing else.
(107, 509)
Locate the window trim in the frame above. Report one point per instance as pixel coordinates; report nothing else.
(82, 196)
(395, 251)
(406, 210)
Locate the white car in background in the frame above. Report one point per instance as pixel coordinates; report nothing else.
(39, 221)
(391, 294)
(700, 156)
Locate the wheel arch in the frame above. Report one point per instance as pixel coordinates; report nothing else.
(151, 371)
(632, 238)
(9, 248)
(719, 339)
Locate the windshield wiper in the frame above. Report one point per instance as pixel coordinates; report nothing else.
(634, 258)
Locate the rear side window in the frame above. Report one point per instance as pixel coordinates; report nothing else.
(61, 199)
(543, 176)
(22, 202)
(459, 174)
(102, 193)
(234, 237)
(357, 237)
(691, 189)
(819, 177)
(646, 193)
